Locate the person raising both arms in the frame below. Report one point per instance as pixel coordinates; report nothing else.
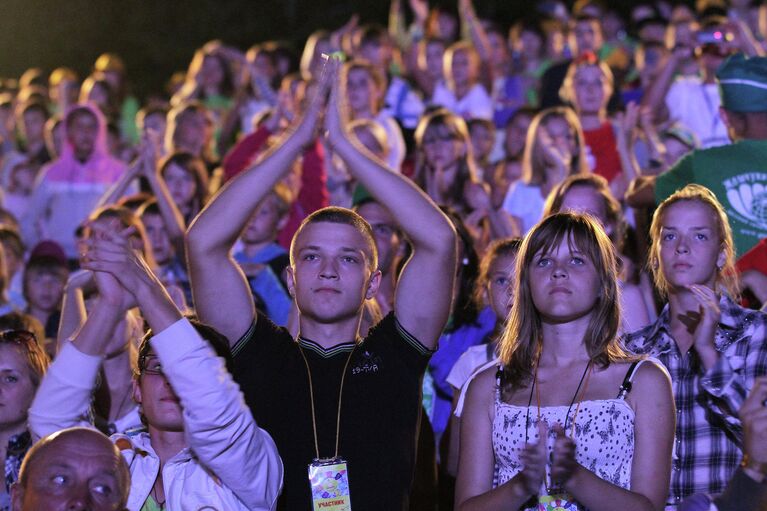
(329, 393)
(202, 448)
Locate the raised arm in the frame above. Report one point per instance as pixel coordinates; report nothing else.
(472, 26)
(73, 305)
(64, 397)
(174, 220)
(118, 189)
(655, 98)
(221, 293)
(425, 287)
(218, 425)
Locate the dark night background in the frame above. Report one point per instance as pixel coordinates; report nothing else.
(157, 38)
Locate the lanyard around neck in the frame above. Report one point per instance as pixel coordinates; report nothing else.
(340, 397)
(585, 376)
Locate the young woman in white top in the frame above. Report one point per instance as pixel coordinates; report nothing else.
(554, 150)
(558, 424)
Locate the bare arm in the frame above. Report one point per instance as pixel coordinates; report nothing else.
(641, 192)
(118, 189)
(425, 287)
(174, 220)
(221, 293)
(474, 486)
(755, 281)
(655, 98)
(499, 220)
(73, 305)
(397, 28)
(478, 36)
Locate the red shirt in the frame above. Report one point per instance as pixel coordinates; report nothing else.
(313, 194)
(603, 147)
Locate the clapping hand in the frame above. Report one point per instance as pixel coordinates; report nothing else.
(627, 125)
(708, 320)
(115, 262)
(553, 155)
(533, 460)
(111, 291)
(564, 463)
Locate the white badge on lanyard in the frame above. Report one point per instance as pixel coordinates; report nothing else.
(329, 480)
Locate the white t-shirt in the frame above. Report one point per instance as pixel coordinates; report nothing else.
(476, 104)
(525, 202)
(696, 105)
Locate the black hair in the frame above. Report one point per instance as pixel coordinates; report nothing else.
(213, 337)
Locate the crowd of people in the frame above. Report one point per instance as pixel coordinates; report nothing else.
(443, 264)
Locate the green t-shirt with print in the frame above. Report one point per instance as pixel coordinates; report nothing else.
(737, 175)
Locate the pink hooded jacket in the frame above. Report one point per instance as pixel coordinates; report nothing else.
(67, 190)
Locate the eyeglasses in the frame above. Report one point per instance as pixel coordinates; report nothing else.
(18, 337)
(150, 364)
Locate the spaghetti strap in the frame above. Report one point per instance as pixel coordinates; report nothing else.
(625, 387)
(498, 383)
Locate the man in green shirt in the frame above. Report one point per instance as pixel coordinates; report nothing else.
(736, 173)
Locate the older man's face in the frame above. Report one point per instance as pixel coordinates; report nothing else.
(78, 471)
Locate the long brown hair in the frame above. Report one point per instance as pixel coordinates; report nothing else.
(444, 124)
(522, 340)
(533, 164)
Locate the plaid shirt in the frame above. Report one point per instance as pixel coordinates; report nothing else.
(708, 430)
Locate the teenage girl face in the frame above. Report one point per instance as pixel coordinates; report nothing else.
(462, 68)
(505, 173)
(564, 283)
(211, 72)
(516, 135)
(500, 285)
(592, 90)
(16, 387)
(690, 245)
(360, 90)
(434, 54)
(443, 148)
(499, 52)
(156, 123)
(44, 289)
(181, 185)
(99, 95)
(562, 134)
(190, 132)
(529, 44)
(482, 141)
(445, 26)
